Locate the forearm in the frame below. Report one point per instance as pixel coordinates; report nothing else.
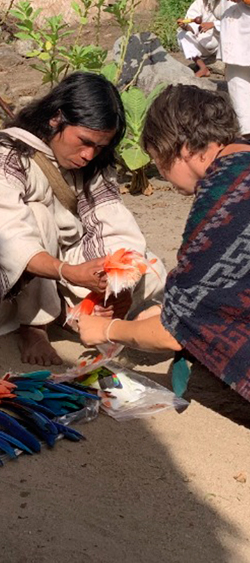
(87, 274)
(148, 334)
(44, 265)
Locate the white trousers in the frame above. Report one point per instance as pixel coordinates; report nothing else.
(39, 302)
(201, 45)
(238, 80)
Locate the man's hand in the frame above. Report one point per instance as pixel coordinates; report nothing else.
(205, 26)
(121, 304)
(88, 274)
(184, 26)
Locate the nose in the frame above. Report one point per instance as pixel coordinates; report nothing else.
(88, 153)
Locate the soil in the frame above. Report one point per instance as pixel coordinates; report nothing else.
(172, 488)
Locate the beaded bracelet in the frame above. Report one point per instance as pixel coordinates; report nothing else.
(108, 331)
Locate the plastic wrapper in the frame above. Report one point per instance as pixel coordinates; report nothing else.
(134, 396)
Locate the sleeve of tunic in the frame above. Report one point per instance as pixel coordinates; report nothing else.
(19, 235)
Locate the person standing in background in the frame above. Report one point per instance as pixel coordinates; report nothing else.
(235, 52)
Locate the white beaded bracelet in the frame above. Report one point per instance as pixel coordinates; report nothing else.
(108, 331)
(62, 278)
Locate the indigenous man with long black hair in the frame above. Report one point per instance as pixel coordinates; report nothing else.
(61, 211)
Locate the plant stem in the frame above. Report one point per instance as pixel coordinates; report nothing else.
(125, 41)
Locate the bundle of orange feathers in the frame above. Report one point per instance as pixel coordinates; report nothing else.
(124, 269)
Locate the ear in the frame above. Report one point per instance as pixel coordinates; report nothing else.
(185, 153)
(56, 120)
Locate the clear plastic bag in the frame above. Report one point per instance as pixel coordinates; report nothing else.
(138, 396)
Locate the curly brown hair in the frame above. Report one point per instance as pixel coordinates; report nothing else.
(187, 115)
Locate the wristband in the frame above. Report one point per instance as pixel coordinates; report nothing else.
(62, 279)
(108, 331)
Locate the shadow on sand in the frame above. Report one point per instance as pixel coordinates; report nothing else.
(119, 497)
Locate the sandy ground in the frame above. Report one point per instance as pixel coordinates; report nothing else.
(162, 489)
(158, 490)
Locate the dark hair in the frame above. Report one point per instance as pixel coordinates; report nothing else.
(82, 98)
(187, 115)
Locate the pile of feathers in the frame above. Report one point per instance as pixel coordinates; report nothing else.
(35, 410)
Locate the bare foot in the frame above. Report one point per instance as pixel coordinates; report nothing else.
(202, 72)
(35, 347)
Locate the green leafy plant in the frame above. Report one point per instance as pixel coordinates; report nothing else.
(136, 105)
(123, 11)
(55, 59)
(89, 58)
(46, 40)
(165, 25)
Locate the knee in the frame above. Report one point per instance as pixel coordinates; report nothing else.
(47, 227)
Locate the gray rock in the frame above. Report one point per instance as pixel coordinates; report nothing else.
(22, 47)
(148, 64)
(8, 57)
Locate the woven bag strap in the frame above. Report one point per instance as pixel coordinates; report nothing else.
(59, 187)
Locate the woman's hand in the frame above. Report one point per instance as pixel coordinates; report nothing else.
(88, 274)
(93, 330)
(101, 311)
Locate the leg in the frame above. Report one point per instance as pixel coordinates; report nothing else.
(203, 70)
(39, 303)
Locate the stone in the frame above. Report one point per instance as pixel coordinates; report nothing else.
(148, 64)
(22, 47)
(8, 57)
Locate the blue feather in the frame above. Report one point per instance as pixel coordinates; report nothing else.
(37, 407)
(36, 422)
(69, 433)
(35, 395)
(15, 442)
(16, 430)
(7, 448)
(40, 374)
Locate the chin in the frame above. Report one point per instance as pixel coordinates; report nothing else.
(185, 191)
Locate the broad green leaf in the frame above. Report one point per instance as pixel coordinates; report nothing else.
(17, 15)
(155, 92)
(76, 7)
(40, 68)
(22, 35)
(36, 13)
(135, 158)
(109, 71)
(44, 56)
(135, 104)
(34, 53)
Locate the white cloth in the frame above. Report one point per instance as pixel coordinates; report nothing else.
(238, 80)
(235, 34)
(32, 219)
(195, 44)
(235, 52)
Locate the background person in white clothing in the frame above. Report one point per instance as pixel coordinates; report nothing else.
(235, 52)
(200, 40)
